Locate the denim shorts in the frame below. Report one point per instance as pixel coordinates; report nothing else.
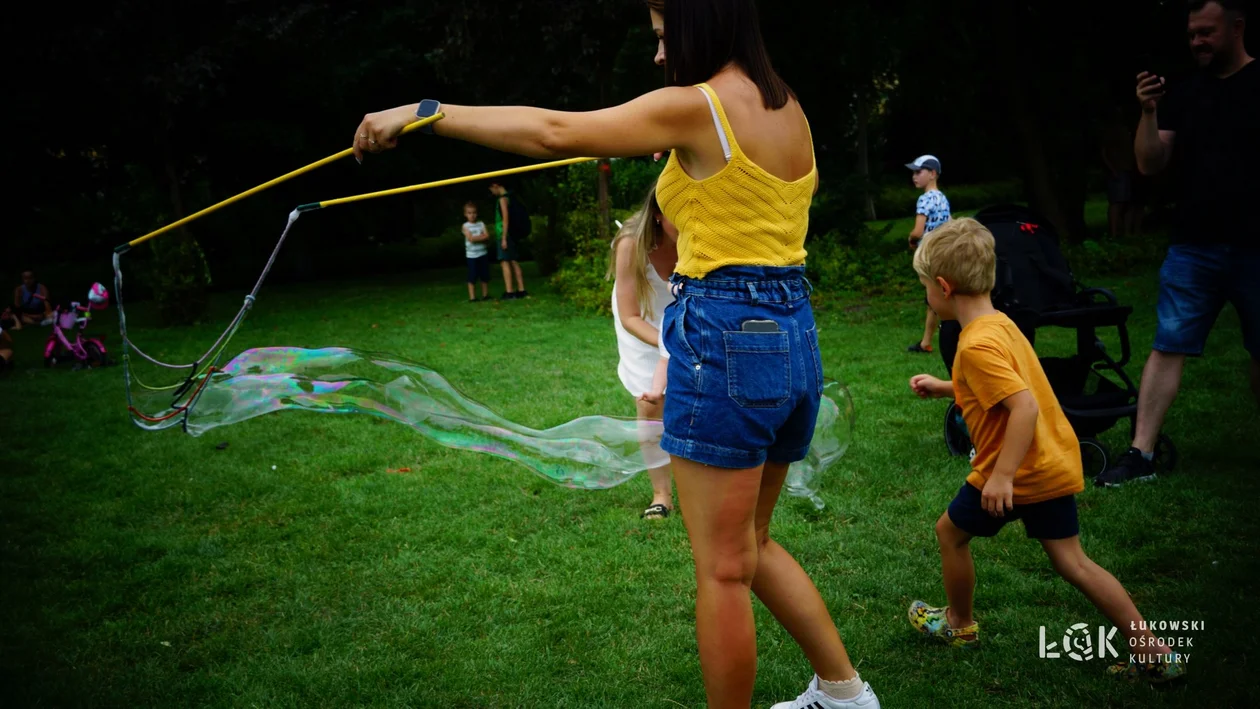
(737, 398)
(1195, 282)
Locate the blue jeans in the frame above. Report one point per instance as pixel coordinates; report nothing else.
(1195, 282)
(736, 398)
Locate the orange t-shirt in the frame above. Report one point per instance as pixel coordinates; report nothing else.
(995, 361)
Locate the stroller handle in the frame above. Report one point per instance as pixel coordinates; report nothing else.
(1104, 292)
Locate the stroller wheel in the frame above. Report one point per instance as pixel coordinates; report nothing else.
(1165, 454)
(1094, 457)
(957, 437)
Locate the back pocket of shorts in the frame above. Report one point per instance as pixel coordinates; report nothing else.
(758, 368)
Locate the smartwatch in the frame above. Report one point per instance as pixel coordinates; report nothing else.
(428, 107)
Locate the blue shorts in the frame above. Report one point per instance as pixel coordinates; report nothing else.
(479, 269)
(1195, 282)
(735, 398)
(1048, 519)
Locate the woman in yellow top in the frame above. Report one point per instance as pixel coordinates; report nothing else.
(745, 376)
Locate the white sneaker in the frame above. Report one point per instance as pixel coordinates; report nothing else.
(815, 698)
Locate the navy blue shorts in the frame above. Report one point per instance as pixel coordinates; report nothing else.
(1049, 519)
(736, 398)
(479, 269)
(1195, 282)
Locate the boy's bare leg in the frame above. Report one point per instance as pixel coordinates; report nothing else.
(485, 289)
(507, 276)
(1102, 589)
(472, 293)
(929, 329)
(520, 280)
(958, 572)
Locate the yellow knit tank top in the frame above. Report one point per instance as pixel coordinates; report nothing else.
(742, 215)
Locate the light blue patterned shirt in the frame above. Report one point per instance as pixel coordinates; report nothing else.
(935, 207)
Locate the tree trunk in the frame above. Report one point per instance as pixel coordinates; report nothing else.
(863, 156)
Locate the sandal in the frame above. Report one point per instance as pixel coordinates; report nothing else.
(657, 511)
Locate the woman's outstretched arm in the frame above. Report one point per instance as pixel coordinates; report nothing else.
(665, 119)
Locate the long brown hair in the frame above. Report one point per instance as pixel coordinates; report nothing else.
(702, 36)
(646, 233)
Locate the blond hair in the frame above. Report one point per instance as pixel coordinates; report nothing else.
(646, 232)
(961, 251)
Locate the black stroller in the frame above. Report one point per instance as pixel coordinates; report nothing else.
(1036, 289)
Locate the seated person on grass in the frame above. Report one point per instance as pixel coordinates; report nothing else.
(31, 303)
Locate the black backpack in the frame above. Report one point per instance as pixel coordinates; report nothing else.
(1033, 277)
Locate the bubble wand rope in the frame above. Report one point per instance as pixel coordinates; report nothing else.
(442, 183)
(270, 183)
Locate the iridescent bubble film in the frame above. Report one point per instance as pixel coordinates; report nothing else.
(590, 452)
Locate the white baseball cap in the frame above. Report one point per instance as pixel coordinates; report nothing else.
(925, 162)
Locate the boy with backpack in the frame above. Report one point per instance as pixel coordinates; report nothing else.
(931, 211)
(1027, 460)
(512, 226)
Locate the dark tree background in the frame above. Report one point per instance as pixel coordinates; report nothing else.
(132, 113)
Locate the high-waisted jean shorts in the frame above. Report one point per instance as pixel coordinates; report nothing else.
(745, 374)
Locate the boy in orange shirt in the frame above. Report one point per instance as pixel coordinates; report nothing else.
(1027, 462)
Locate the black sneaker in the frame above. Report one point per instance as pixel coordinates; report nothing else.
(1132, 467)
(522, 294)
(508, 296)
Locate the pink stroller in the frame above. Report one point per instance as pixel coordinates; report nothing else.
(67, 341)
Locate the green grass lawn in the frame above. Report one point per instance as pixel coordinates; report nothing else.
(155, 570)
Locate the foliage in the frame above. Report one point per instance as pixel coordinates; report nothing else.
(179, 277)
(629, 181)
(1107, 257)
(172, 269)
(581, 276)
(186, 103)
(864, 261)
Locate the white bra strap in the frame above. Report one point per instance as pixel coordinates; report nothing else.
(717, 123)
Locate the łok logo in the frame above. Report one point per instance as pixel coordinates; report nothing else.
(1078, 643)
